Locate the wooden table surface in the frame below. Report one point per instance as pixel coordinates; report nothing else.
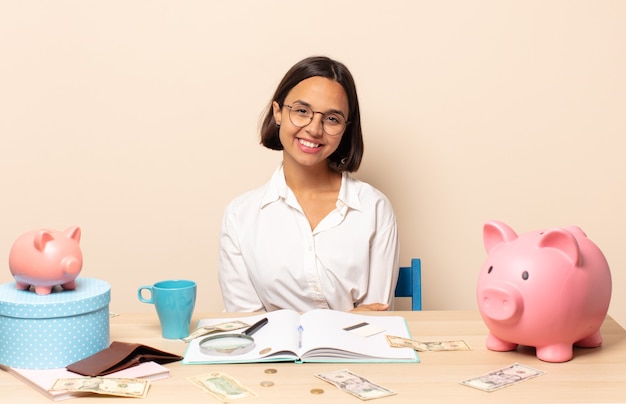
(593, 375)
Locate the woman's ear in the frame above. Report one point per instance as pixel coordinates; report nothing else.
(278, 115)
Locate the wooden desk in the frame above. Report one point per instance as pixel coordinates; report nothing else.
(594, 375)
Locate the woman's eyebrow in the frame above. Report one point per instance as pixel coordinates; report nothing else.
(330, 111)
(301, 102)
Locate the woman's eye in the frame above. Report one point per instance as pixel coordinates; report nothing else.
(333, 119)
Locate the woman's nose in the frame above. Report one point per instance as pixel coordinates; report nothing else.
(316, 127)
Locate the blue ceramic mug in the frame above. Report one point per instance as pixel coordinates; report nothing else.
(174, 301)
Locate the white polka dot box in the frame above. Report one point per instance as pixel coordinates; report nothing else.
(52, 331)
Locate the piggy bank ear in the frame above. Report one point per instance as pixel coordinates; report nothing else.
(73, 233)
(42, 237)
(563, 241)
(576, 231)
(495, 233)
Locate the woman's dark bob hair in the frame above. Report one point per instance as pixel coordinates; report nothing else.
(348, 155)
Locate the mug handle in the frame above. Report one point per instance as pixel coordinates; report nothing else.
(141, 298)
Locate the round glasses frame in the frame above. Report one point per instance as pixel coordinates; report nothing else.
(301, 115)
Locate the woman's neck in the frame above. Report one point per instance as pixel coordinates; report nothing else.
(316, 189)
(319, 178)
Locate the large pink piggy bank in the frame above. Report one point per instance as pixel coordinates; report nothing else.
(46, 258)
(548, 289)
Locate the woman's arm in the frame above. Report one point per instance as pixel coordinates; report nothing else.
(384, 261)
(238, 292)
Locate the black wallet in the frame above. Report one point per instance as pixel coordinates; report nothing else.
(118, 356)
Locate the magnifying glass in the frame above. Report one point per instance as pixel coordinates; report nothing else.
(231, 344)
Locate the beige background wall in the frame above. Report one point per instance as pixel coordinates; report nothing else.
(137, 120)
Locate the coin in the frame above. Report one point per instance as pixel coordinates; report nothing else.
(270, 371)
(317, 391)
(264, 351)
(267, 383)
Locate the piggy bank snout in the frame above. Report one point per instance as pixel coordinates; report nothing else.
(501, 303)
(71, 265)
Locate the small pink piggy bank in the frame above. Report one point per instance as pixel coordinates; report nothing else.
(548, 289)
(46, 258)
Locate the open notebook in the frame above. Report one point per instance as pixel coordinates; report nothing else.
(314, 336)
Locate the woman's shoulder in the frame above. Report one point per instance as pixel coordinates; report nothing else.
(364, 189)
(262, 195)
(248, 198)
(366, 197)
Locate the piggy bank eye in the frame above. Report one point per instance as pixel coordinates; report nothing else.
(490, 269)
(525, 275)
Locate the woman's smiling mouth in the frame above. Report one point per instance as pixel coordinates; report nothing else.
(308, 144)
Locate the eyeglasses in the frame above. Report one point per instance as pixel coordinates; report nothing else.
(301, 115)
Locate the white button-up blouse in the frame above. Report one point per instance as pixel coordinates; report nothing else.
(269, 258)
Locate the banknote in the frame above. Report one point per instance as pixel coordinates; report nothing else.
(105, 385)
(453, 345)
(502, 378)
(208, 329)
(222, 386)
(354, 384)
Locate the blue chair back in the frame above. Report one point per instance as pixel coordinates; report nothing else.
(410, 283)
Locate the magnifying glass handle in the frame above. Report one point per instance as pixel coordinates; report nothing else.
(256, 326)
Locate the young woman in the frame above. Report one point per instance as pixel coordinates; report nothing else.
(312, 237)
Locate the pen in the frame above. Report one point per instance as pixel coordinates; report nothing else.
(300, 329)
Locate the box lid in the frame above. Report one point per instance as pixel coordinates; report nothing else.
(93, 294)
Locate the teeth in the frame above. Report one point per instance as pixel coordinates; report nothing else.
(307, 143)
